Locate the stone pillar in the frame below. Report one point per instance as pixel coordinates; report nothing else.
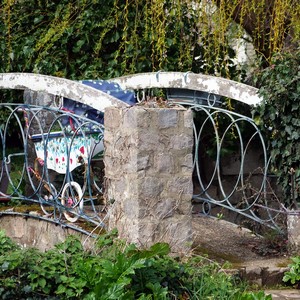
(293, 229)
(148, 169)
(40, 124)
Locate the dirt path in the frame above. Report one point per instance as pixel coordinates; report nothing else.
(225, 241)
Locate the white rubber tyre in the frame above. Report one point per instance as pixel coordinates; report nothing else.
(72, 199)
(46, 196)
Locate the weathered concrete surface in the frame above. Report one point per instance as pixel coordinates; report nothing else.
(60, 87)
(192, 81)
(99, 100)
(148, 182)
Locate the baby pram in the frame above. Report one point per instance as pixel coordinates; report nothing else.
(77, 142)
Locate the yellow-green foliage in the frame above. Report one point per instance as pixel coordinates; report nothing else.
(95, 38)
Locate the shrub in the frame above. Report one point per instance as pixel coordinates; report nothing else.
(112, 270)
(293, 275)
(279, 117)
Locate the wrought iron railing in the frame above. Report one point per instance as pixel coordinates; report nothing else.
(57, 164)
(231, 169)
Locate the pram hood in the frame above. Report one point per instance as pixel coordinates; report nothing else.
(111, 88)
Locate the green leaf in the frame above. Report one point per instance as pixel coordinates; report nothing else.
(295, 135)
(64, 278)
(42, 282)
(61, 289)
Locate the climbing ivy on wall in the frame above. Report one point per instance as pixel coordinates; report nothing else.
(92, 38)
(279, 118)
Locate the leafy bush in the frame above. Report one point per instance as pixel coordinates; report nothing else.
(111, 270)
(293, 275)
(6, 244)
(279, 117)
(14, 267)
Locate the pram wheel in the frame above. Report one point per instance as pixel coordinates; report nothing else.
(49, 195)
(71, 199)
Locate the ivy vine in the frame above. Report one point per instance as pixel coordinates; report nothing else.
(279, 117)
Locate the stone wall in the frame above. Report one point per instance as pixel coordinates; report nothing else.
(148, 166)
(31, 232)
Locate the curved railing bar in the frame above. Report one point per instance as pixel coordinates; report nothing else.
(265, 169)
(196, 161)
(59, 87)
(14, 117)
(247, 209)
(219, 147)
(233, 122)
(199, 82)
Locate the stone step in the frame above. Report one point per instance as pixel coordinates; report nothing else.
(263, 276)
(266, 273)
(268, 279)
(283, 294)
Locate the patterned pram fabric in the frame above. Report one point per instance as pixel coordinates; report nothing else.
(66, 150)
(108, 87)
